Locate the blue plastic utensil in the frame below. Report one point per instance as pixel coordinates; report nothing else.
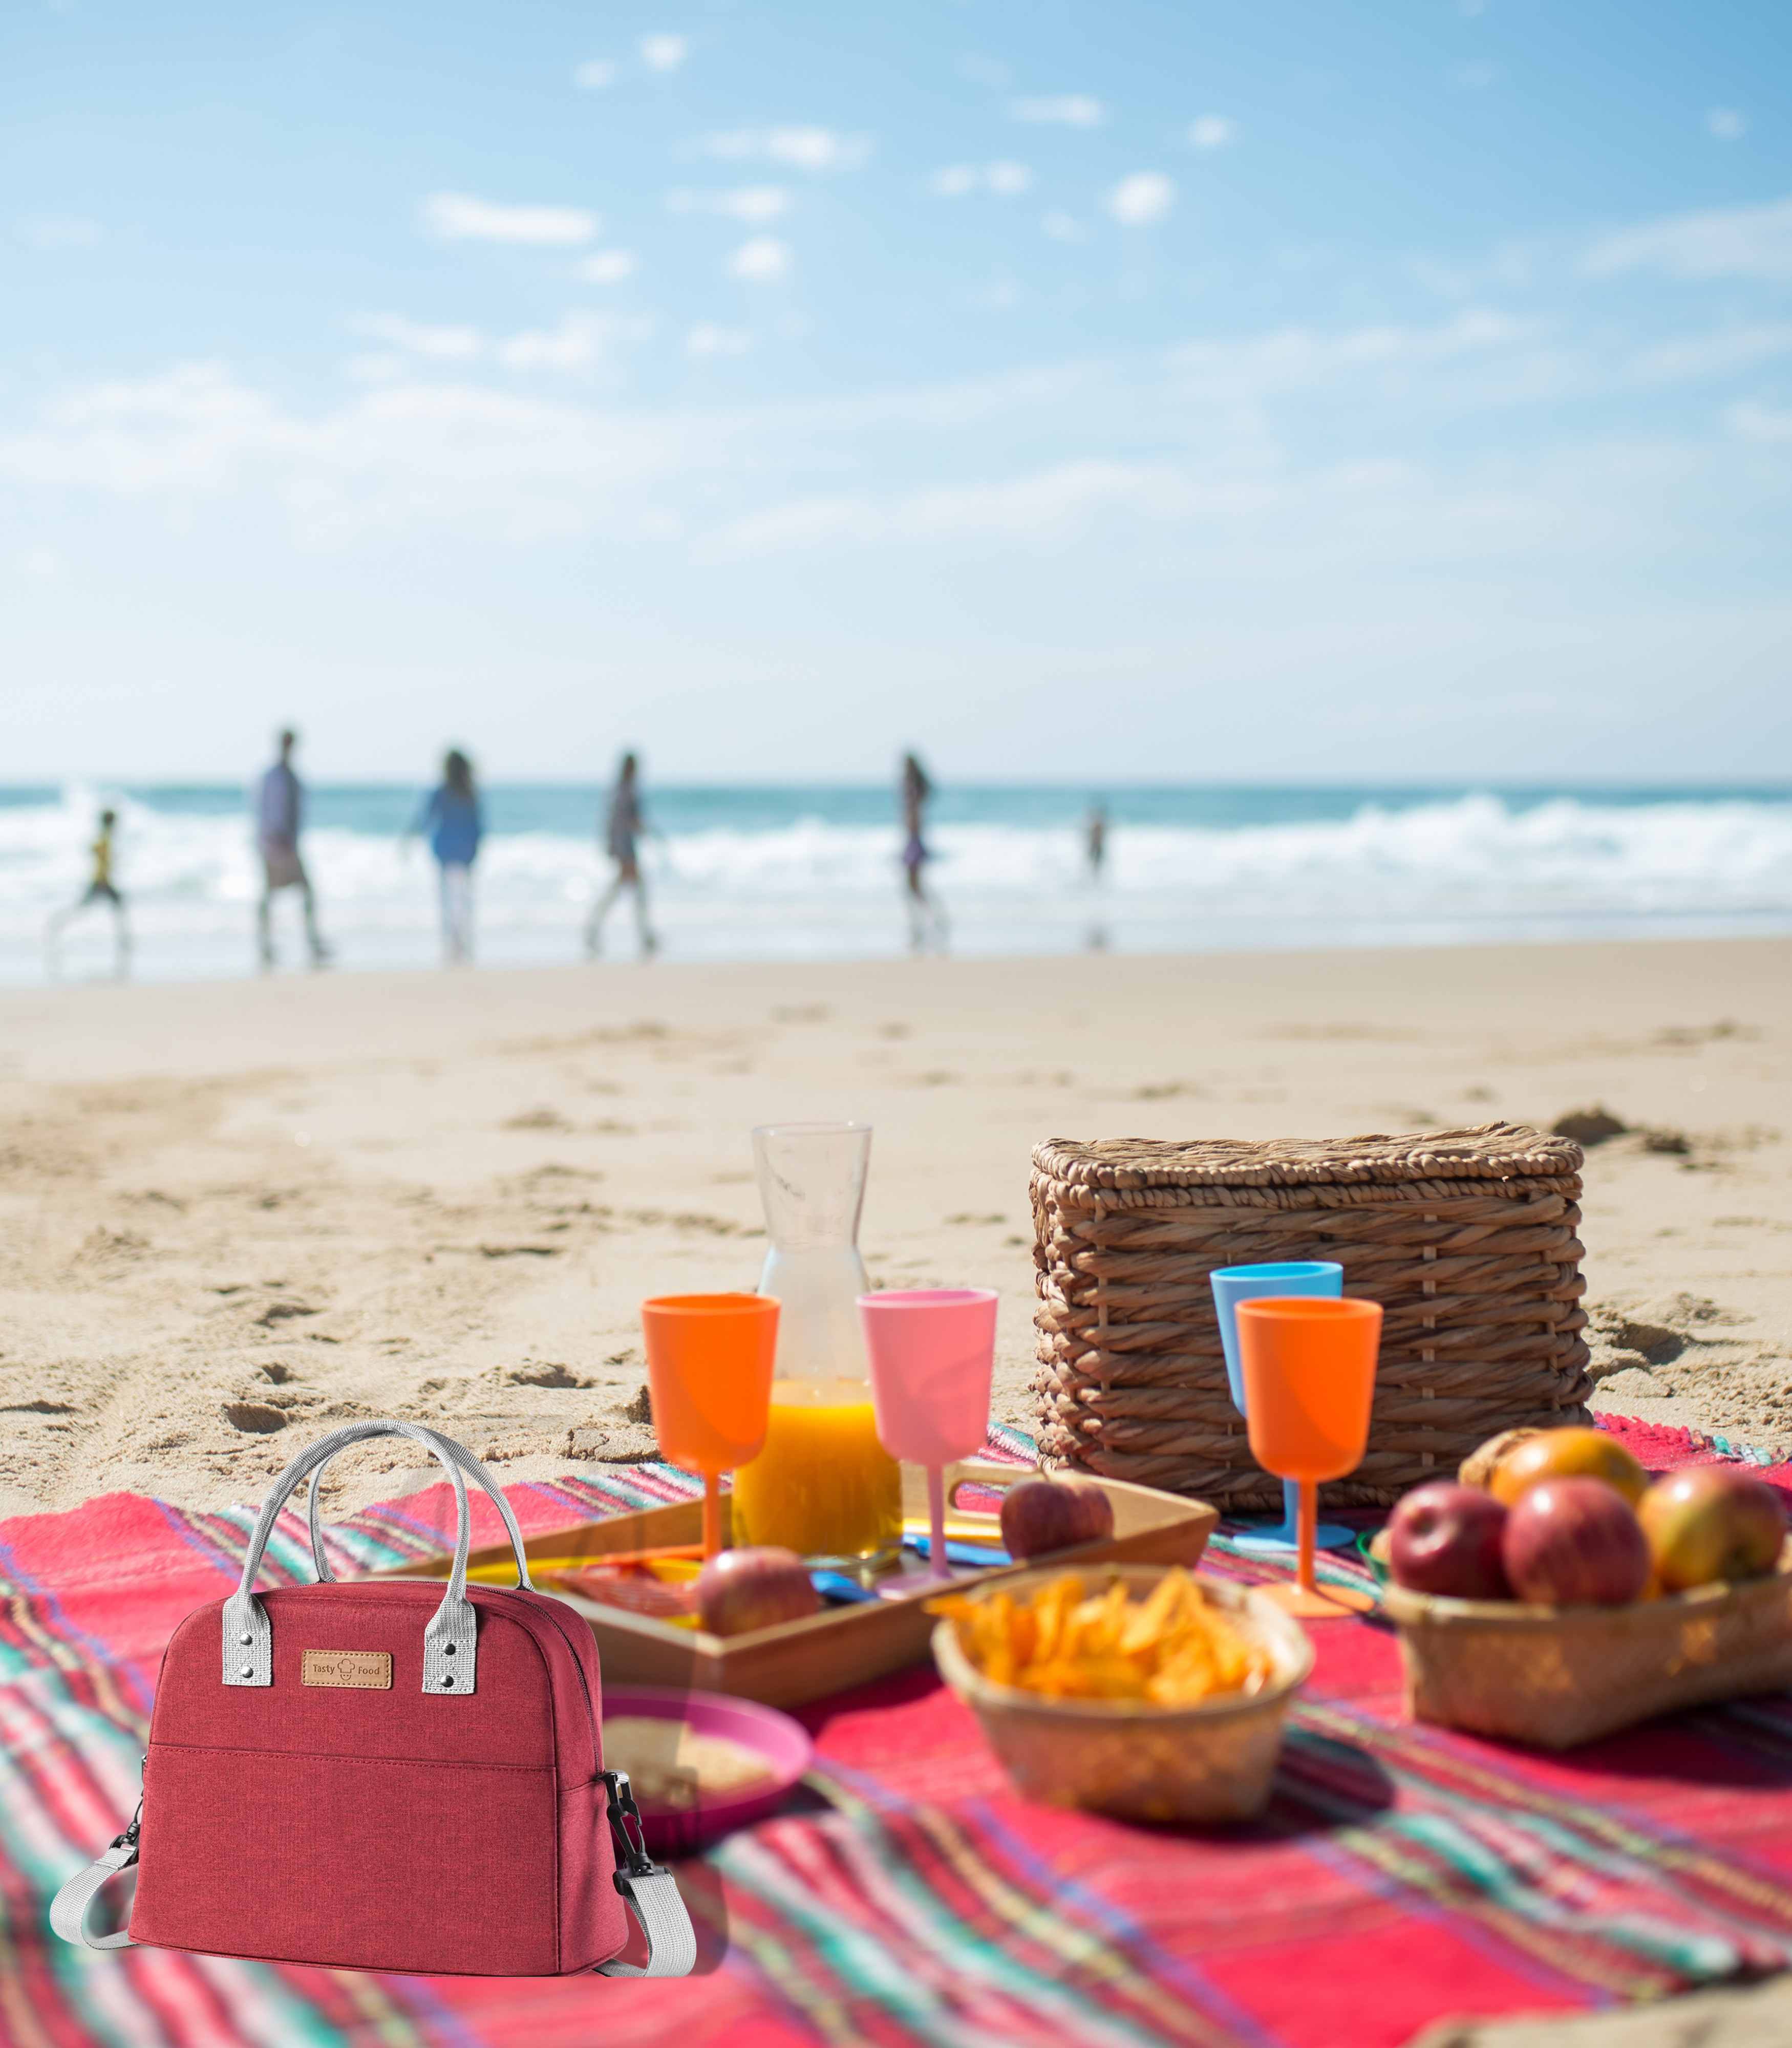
(1231, 1284)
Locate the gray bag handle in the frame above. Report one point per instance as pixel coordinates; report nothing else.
(451, 1640)
(441, 1445)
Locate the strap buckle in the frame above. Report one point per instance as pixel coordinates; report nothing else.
(128, 1839)
(625, 1822)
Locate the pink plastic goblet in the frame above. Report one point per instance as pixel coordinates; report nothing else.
(932, 1354)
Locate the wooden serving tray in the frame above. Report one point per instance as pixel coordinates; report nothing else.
(841, 1646)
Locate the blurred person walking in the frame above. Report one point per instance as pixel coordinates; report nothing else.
(101, 889)
(451, 815)
(624, 828)
(279, 819)
(925, 914)
(1094, 839)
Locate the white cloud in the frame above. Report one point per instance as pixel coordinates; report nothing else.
(1064, 228)
(1007, 178)
(755, 204)
(1039, 505)
(762, 259)
(1724, 124)
(664, 53)
(1759, 423)
(1211, 131)
(597, 72)
(608, 266)
(413, 454)
(1070, 109)
(402, 457)
(436, 345)
(1739, 241)
(579, 339)
(457, 217)
(1144, 197)
(802, 149)
(705, 340)
(64, 233)
(1689, 359)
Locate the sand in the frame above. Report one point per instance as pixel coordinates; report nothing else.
(236, 1214)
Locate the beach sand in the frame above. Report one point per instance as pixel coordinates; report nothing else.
(237, 1214)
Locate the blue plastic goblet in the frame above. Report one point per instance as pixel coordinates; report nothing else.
(1231, 1284)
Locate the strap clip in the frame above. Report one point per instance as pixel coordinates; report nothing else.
(624, 1823)
(128, 1839)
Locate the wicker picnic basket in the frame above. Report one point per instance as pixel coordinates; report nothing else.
(1559, 1677)
(1467, 1238)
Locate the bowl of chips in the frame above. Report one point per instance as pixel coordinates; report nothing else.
(1137, 1690)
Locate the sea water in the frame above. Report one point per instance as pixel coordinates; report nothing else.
(815, 874)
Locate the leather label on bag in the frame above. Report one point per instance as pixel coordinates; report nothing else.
(367, 1670)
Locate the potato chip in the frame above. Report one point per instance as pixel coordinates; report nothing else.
(1172, 1648)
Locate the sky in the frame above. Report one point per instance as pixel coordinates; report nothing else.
(1288, 392)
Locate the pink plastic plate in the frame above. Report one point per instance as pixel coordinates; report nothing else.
(783, 1743)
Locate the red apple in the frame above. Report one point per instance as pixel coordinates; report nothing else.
(754, 1588)
(1574, 1542)
(1445, 1537)
(1709, 1522)
(1042, 1514)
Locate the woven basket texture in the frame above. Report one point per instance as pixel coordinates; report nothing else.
(1556, 1677)
(1467, 1238)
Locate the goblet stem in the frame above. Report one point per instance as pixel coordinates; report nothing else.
(937, 1565)
(711, 1513)
(1309, 1521)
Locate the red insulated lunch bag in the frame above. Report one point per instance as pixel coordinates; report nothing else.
(386, 1776)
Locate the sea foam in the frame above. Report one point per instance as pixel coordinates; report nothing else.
(750, 875)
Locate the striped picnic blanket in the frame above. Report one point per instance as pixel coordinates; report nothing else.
(907, 1897)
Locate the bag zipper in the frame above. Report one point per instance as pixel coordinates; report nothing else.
(553, 1619)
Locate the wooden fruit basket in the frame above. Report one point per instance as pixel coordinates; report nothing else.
(840, 1646)
(1557, 1677)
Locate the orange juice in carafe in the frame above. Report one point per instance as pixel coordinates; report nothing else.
(824, 1486)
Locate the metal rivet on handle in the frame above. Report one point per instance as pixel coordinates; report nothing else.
(247, 1671)
(449, 1679)
(449, 1649)
(246, 1640)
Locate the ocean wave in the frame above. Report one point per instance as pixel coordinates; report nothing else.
(1467, 867)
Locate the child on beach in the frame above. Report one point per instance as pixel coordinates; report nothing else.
(456, 824)
(101, 889)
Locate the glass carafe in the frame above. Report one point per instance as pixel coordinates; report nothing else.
(824, 1486)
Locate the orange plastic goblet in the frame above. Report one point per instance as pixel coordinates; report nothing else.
(1310, 1382)
(709, 1360)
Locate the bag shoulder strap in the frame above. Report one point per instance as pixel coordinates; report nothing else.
(68, 1909)
(664, 1918)
(649, 1892)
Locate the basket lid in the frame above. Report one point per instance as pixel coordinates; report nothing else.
(1487, 1152)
